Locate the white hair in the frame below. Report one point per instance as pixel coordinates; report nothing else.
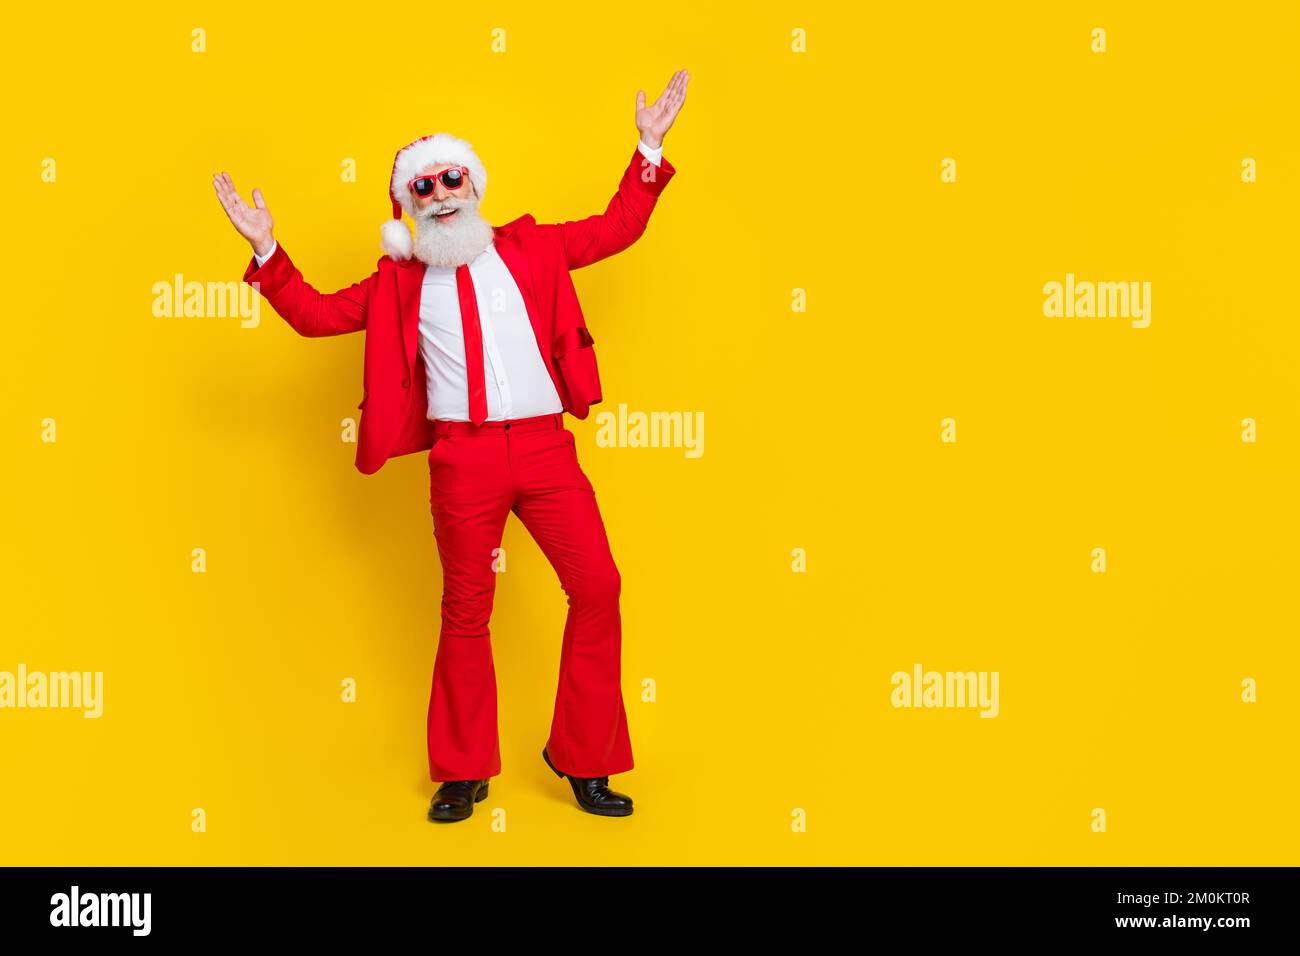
(438, 149)
(450, 244)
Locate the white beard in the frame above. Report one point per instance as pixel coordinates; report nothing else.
(454, 243)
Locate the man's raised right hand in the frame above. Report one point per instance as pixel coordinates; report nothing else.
(253, 222)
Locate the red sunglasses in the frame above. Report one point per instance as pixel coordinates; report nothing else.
(453, 177)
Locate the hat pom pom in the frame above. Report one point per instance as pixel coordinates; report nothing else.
(397, 240)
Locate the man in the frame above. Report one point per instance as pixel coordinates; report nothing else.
(475, 347)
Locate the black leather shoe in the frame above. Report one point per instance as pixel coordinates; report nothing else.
(455, 799)
(594, 795)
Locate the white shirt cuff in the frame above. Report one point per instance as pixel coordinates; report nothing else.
(654, 155)
(262, 259)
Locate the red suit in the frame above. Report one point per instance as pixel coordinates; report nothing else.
(479, 474)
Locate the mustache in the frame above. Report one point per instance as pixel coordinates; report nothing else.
(446, 205)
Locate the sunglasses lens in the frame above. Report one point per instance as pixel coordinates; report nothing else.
(424, 186)
(451, 178)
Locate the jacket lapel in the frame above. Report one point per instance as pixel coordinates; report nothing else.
(410, 283)
(512, 254)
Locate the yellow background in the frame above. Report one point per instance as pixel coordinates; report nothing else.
(817, 171)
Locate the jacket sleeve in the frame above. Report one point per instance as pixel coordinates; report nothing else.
(589, 240)
(308, 311)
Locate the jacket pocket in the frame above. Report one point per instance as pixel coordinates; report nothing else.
(575, 338)
(575, 360)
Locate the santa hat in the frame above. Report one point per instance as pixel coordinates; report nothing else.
(411, 160)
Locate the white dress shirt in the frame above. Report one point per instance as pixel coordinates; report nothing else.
(518, 385)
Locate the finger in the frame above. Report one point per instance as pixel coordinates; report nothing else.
(258, 200)
(675, 93)
(235, 198)
(663, 97)
(216, 188)
(222, 189)
(230, 211)
(230, 188)
(675, 83)
(659, 98)
(236, 208)
(670, 96)
(681, 90)
(640, 99)
(223, 194)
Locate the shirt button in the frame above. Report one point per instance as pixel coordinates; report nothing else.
(406, 383)
(507, 426)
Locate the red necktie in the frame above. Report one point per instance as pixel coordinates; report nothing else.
(473, 345)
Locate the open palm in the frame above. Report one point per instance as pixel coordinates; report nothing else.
(655, 120)
(253, 222)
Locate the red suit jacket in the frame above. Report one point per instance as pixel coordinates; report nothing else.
(394, 407)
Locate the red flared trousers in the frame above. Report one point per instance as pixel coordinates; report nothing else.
(478, 475)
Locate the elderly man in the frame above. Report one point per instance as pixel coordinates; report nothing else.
(475, 346)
